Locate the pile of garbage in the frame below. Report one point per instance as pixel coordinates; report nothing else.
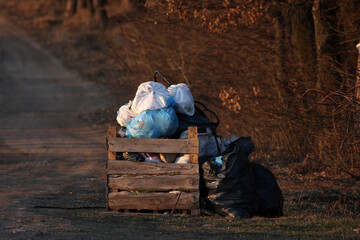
(157, 111)
(152, 112)
(230, 185)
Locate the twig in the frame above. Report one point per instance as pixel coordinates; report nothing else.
(177, 200)
(302, 191)
(68, 208)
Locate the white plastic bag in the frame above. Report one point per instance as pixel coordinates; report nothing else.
(183, 159)
(151, 96)
(184, 101)
(125, 114)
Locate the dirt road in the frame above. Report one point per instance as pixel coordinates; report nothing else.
(45, 146)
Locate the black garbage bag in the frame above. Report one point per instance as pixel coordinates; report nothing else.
(268, 191)
(199, 119)
(229, 189)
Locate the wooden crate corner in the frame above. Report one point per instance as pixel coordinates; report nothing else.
(154, 187)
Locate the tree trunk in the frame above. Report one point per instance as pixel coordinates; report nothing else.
(84, 3)
(325, 24)
(96, 8)
(303, 36)
(100, 13)
(279, 28)
(71, 8)
(90, 4)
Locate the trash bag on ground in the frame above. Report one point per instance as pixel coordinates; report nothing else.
(184, 100)
(227, 185)
(125, 114)
(153, 124)
(268, 191)
(151, 96)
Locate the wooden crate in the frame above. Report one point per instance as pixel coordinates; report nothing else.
(152, 187)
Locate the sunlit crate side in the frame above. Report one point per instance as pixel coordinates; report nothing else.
(125, 200)
(153, 176)
(153, 186)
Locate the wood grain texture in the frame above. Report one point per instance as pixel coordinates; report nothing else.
(151, 145)
(153, 201)
(145, 168)
(155, 183)
(111, 134)
(192, 137)
(111, 156)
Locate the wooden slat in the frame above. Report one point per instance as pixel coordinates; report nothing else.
(151, 145)
(139, 168)
(107, 191)
(192, 137)
(155, 183)
(111, 134)
(153, 201)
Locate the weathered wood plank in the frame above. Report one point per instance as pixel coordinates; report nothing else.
(155, 183)
(111, 134)
(145, 168)
(192, 137)
(153, 201)
(111, 156)
(107, 191)
(152, 145)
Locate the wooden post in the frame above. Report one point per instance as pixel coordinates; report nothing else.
(111, 134)
(192, 138)
(111, 156)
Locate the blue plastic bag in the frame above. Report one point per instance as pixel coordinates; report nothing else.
(153, 124)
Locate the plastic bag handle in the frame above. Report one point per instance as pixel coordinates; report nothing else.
(212, 129)
(158, 72)
(227, 156)
(208, 110)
